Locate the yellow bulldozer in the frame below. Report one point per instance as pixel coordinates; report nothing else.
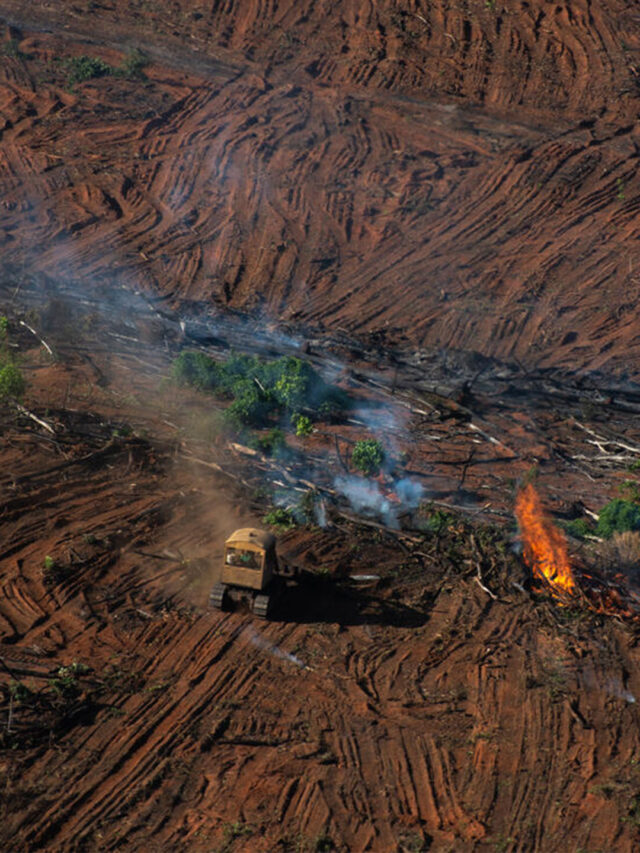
(251, 571)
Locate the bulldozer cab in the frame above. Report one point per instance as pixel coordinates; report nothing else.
(249, 559)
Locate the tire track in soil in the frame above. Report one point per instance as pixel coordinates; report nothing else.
(328, 181)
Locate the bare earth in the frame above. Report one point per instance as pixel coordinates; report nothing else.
(443, 175)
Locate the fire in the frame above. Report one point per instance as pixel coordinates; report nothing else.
(545, 546)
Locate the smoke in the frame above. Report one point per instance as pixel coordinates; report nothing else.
(410, 492)
(612, 685)
(320, 513)
(256, 639)
(386, 425)
(367, 498)
(363, 495)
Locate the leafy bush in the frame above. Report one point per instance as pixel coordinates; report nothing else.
(293, 381)
(272, 443)
(437, 522)
(302, 425)
(630, 490)
(617, 516)
(133, 64)
(65, 684)
(81, 68)
(12, 382)
(578, 528)
(260, 389)
(368, 456)
(195, 369)
(280, 518)
(249, 405)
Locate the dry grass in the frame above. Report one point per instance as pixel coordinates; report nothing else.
(621, 552)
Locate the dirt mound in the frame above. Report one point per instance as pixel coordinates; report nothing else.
(449, 176)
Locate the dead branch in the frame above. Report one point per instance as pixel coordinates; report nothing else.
(215, 467)
(241, 448)
(37, 336)
(601, 441)
(35, 418)
(484, 588)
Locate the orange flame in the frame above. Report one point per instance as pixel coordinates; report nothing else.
(545, 546)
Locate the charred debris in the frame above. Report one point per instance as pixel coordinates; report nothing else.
(585, 424)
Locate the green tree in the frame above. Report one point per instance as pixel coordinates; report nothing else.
(617, 516)
(12, 382)
(368, 456)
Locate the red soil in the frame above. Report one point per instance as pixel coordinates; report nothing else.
(460, 174)
(423, 710)
(444, 175)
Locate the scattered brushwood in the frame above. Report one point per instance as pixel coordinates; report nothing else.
(46, 704)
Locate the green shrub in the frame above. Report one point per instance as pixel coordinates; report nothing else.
(302, 425)
(368, 456)
(81, 68)
(249, 406)
(293, 381)
(280, 518)
(272, 443)
(19, 691)
(578, 528)
(630, 490)
(438, 522)
(65, 684)
(195, 369)
(260, 389)
(133, 64)
(12, 382)
(617, 516)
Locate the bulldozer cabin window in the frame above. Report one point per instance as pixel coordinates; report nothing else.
(244, 559)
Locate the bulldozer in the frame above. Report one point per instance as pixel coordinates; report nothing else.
(251, 571)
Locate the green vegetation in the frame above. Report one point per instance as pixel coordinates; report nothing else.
(281, 519)
(12, 382)
(630, 490)
(232, 831)
(579, 528)
(617, 516)
(368, 456)
(65, 683)
(302, 425)
(133, 65)
(19, 692)
(272, 443)
(259, 389)
(12, 48)
(81, 68)
(438, 521)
